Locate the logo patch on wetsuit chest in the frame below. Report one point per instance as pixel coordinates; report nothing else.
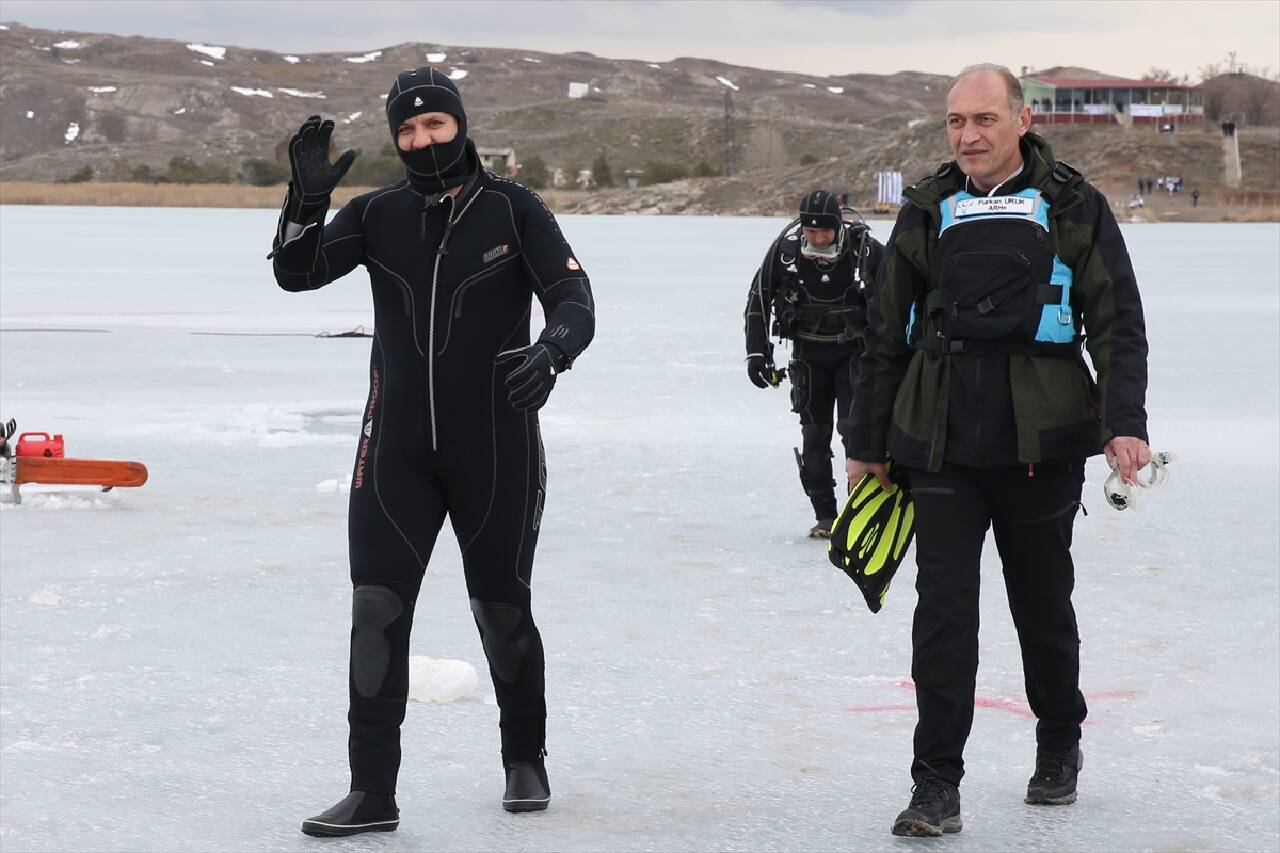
(495, 253)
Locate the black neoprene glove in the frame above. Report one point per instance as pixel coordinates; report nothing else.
(760, 371)
(313, 176)
(530, 383)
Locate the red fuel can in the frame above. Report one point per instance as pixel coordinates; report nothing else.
(40, 444)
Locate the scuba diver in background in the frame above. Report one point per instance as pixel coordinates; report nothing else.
(813, 285)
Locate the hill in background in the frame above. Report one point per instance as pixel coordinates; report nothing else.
(106, 107)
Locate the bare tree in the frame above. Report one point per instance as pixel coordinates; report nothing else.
(1210, 71)
(1164, 75)
(1259, 94)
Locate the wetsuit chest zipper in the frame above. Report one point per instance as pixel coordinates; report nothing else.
(441, 251)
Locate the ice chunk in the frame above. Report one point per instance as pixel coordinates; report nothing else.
(729, 83)
(367, 57)
(437, 680)
(437, 57)
(260, 93)
(73, 131)
(298, 93)
(337, 486)
(46, 597)
(209, 50)
(458, 74)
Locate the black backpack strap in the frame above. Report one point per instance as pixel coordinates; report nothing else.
(1062, 178)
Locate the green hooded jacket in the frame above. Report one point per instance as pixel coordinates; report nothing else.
(1059, 410)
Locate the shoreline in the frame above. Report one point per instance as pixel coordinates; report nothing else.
(1241, 206)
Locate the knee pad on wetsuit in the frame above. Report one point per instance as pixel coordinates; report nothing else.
(373, 610)
(498, 622)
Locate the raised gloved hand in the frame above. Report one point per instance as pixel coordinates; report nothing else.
(761, 371)
(530, 382)
(313, 176)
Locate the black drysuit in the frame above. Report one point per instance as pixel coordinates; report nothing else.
(453, 281)
(822, 308)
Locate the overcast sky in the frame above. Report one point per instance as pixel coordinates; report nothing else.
(1123, 37)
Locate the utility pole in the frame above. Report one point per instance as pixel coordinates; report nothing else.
(728, 134)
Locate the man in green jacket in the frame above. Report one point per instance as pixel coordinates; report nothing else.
(976, 384)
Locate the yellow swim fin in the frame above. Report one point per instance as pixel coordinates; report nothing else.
(871, 536)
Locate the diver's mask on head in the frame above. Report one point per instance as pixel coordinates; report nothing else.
(829, 253)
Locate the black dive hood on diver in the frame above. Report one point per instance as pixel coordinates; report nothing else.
(821, 209)
(437, 167)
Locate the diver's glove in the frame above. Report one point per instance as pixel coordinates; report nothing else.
(313, 176)
(530, 383)
(761, 371)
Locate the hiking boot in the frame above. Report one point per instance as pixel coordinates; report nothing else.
(1054, 782)
(822, 530)
(359, 811)
(527, 786)
(934, 809)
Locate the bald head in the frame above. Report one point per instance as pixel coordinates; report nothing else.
(1011, 85)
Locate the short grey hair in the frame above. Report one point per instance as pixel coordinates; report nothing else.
(1011, 84)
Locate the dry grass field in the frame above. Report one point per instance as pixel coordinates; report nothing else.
(106, 194)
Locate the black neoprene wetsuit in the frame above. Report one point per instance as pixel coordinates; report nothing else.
(822, 308)
(453, 282)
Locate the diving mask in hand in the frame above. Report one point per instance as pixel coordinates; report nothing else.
(1153, 475)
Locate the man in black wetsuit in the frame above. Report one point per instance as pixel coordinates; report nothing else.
(813, 283)
(455, 255)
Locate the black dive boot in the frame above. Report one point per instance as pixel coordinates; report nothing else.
(1054, 782)
(527, 786)
(359, 811)
(934, 809)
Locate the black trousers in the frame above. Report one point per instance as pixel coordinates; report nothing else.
(490, 479)
(822, 377)
(1032, 518)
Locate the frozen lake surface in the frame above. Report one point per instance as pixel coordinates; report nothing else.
(173, 658)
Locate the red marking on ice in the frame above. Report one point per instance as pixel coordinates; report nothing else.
(998, 703)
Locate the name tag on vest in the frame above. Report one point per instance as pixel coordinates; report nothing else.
(995, 204)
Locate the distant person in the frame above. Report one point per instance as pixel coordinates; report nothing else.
(812, 290)
(977, 387)
(1195, 197)
(1140, 184)
(455, 257)
(1160, 182)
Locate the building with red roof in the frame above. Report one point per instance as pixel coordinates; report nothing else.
(1082, 96)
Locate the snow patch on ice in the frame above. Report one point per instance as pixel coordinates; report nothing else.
(355, 115)
(836, 90)
(434, 680)
(339, 486)
(368, 57)
(102, 90)
(437, 57)
(47, 597)
(60, 497)
(458, 74)
(68, 45)
(260, 93)
(209, 50)
(73, 131)
(729, 83)
(292, 60)
(298, 93)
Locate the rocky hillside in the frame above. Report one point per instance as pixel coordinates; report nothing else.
(119, 107)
